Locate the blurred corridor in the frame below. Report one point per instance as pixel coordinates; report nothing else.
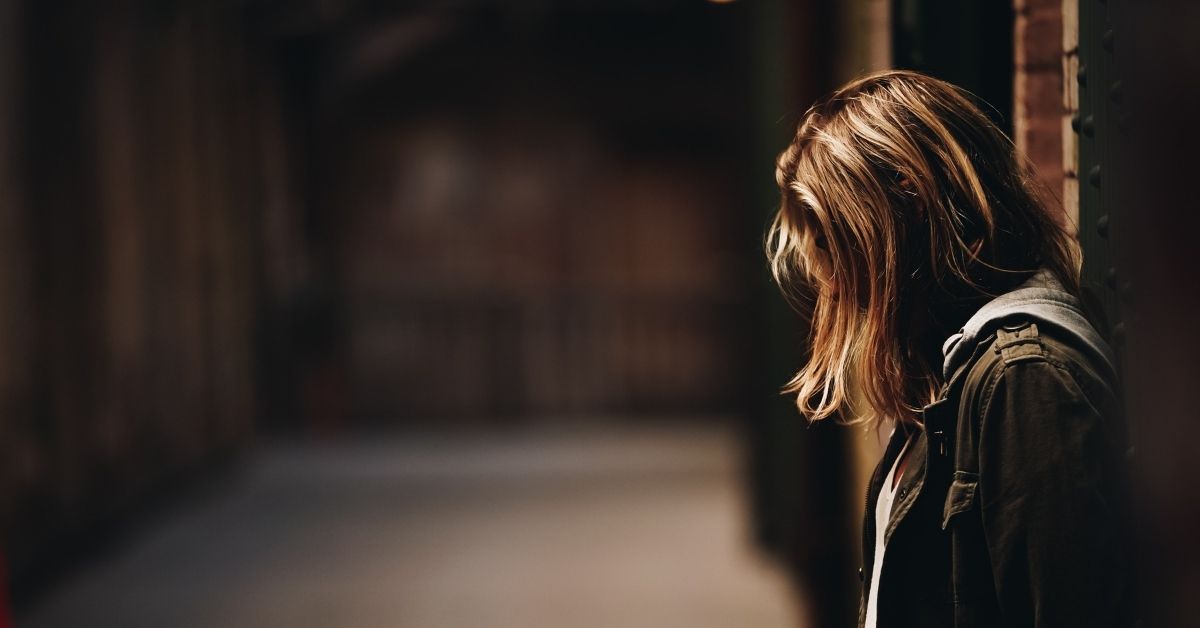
(632, 527)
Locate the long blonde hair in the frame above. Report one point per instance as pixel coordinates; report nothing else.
(897, 190)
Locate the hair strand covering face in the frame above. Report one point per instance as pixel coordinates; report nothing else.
(897, 189)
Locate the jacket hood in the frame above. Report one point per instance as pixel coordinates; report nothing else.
(1042, 300)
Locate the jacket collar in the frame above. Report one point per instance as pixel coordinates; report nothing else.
(1041, 298)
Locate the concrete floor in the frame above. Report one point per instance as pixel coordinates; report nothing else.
(625, 528)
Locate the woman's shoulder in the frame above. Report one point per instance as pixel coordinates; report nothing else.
(1026, 352)
(1044, 359)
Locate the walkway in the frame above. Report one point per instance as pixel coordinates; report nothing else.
(619, 529)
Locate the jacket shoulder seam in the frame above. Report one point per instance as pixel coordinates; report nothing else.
(993, 371)
(1066, 367)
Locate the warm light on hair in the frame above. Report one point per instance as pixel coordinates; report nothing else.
(897, 190)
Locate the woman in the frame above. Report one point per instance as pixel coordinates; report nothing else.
(943, 296)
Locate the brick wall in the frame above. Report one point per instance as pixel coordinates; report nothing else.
(1042, 106)
(1070, 144)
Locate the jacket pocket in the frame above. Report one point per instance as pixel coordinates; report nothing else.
(960, 495)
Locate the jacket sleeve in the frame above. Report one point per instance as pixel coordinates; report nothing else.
(1047, 487)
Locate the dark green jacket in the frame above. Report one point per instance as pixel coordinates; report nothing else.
(1012, 511)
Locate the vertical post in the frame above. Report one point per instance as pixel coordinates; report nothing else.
(1100, 93)
(800, 470)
